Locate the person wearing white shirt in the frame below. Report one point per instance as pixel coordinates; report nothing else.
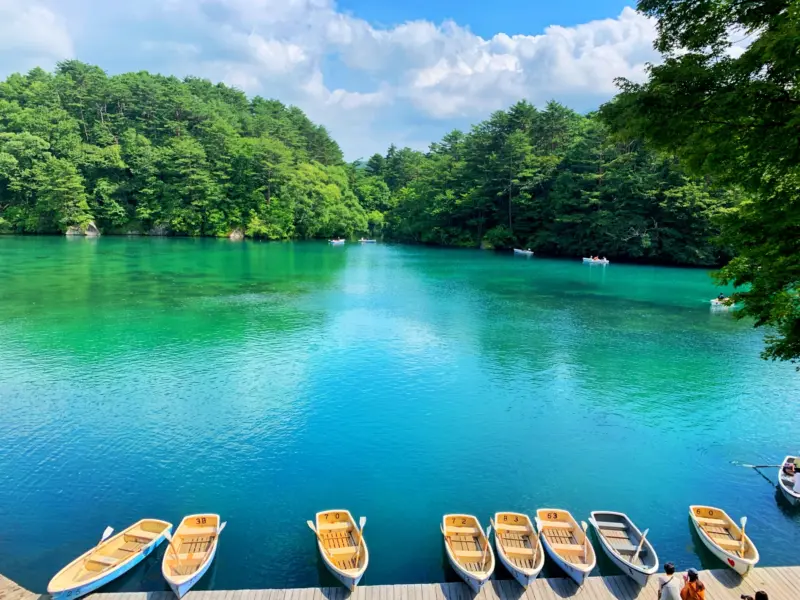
(669, 584)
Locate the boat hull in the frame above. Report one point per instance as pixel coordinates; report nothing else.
(790, 497)
(473, 582)
(180, 589)
(637, 575)
(523, 252)
(82, 590)
(740, 565)
(591, 261)
(523, 578)
(347, 581)
(577, 575)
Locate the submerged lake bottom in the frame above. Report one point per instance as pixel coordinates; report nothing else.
(267, 381)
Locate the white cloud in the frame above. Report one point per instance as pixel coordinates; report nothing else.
(31, 34)
(367, 84)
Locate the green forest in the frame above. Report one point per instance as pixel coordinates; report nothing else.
(139, 153)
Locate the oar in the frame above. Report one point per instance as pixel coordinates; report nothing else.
(743, 522)
(486, 550)
(174, 549)
(221, 527)
(314, 529)
(361, 522)
(586, 542)
(745, 465)
(639, 547)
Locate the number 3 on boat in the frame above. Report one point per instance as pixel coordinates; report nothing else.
(191, 551)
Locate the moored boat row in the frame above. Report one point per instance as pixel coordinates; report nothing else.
(191, 551)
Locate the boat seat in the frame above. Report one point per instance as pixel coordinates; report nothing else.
(131, 546)
(708, 521)
(194, 531)
(568, 547)
(462, 530)
(104, 560)
(556, 525)
(143, 535)
(731, 544)
(518, 551)
(468, 553)
(519, 528)
(609, 525)
(345, 550)
(622, 547)
(335, 526)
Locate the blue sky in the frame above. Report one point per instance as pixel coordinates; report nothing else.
(373, 72)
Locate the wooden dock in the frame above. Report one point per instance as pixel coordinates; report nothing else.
(781, 583)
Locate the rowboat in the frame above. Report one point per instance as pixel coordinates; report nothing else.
(112, 557)
(726, 540)
(566, 542)
(363, 241)
(191, 551)
(523, 252)
(342, 545)
(786, 482)
(720, 304)
(597, 261)
(518, 546)
(625, 545)
(468, 549)
(336, 242)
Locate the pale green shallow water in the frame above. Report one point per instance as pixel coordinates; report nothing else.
(158, 377)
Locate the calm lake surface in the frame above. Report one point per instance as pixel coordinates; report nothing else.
(266, 381)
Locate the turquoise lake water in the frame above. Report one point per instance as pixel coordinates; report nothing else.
(266, 381)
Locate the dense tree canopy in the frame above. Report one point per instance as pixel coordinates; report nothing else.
(733, 113)
(145, 153)
(551, 180)
(151, 154)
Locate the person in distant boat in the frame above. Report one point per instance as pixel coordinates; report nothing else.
(693, 588)
(721, 297)
(789, 469)
(669, 587)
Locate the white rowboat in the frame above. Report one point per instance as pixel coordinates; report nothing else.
(468, 549)
(191, 551)
(599, 261)
(566, 542)
(622, 541)
(342, 546)
(718, 304)
(523, 252)
(518, 546)
(363, 241)
(786, 482)
(724, 538)
(112, 557)
(336, 242)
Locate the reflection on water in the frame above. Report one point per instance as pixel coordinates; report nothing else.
(159, 377)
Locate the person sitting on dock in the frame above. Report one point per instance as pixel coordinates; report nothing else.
(668, 585)
(694, 588)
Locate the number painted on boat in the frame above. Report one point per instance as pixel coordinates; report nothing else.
(552, 516)
(200, 520)
(336, 516)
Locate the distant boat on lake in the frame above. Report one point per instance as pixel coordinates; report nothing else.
(523, 252)
(191, 551)
(597, 261)
(363, 241)
(112, 557)
(786, 482)
(336, 242)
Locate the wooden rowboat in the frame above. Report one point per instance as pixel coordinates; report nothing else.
(336, 242)
(191, 551)
(342, 545)
(566, 542)
(523, 252)
(468, 549)
(786, 482)
(625, 545)
(112, 557)
(726, 540)
(518, 546)
(599, 261)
